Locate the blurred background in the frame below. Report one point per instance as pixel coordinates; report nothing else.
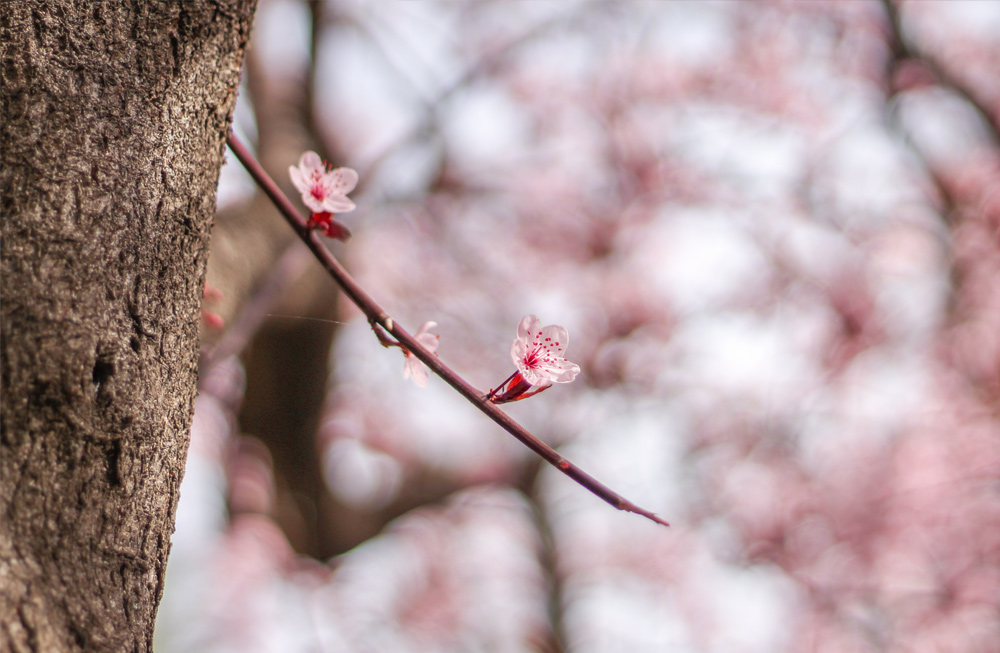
(772, 230)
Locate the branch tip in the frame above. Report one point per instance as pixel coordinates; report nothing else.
(631, 507)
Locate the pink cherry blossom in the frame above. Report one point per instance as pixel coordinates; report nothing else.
(413, 368)
(537, 352)
(323, 189)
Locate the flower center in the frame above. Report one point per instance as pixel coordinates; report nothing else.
(536, 357)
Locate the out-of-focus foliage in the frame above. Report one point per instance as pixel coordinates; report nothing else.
(773, 232)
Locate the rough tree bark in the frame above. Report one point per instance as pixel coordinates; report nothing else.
(112, 130)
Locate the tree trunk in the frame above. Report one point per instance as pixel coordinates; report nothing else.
(114, 117)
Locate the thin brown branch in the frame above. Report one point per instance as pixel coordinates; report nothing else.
(377, 314)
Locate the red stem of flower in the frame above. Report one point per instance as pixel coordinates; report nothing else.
(491, 393)
(376, 314)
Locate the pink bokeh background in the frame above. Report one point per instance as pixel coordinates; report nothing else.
(772, 230)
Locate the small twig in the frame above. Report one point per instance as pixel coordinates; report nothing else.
(378, 316)
(492, 393)
(382, 338)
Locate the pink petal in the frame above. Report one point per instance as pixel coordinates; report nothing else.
(346, 179)
(298, 180)
(556, 336)
(310, 161)
(414, 369)
(529, 326)
(534, 377)
(566, 374)
(314, 204)
(518, 351)
(335, 204)
(428, 340)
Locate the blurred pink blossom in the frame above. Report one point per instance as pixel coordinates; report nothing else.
(413, 368)
(324, 190)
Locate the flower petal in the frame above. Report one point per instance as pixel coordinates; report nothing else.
(335, 204)
(314, 204)
(518, 351)
(414, 369)
(554, 338)
(529, 326)
(345, 179)
(566, 374)
(533, 376)
(310, 161)
(298, 180)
